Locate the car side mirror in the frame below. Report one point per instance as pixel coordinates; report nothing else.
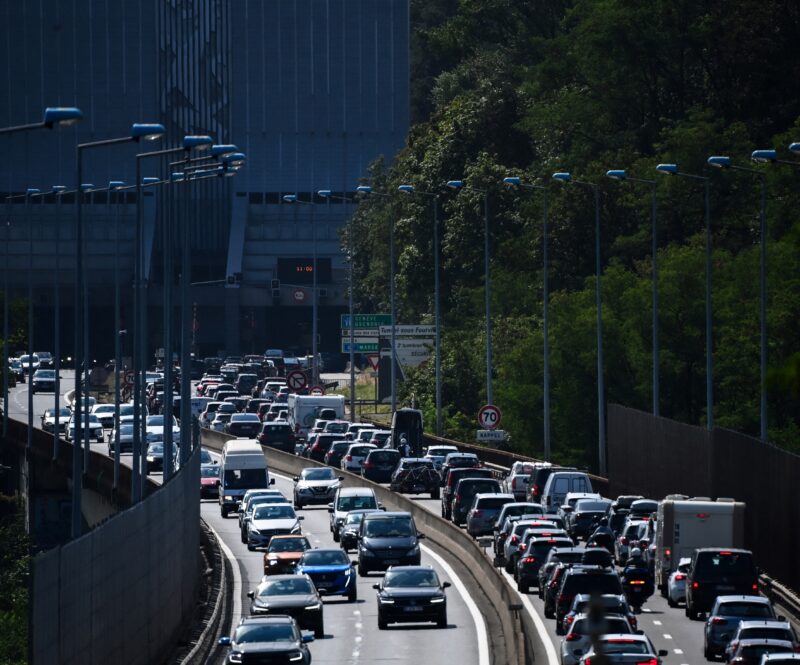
(300, 517)
(446, 585)
(251, 594)
(781, 617)
(224, 641)
(330, 507)
(308, 637)
(420, 536)
(377, 587)
(271, 481)
(296, 479)
(663, 653)
(341, 478)
(322, 592)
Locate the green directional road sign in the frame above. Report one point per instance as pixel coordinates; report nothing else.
(367, 320)
(360, 347)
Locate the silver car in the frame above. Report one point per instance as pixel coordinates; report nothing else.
(676, 584)
(355, 456)
(624, 649)
(483, 514)
(516, 481)
(315, 485)
(437, 454)
(578, 639)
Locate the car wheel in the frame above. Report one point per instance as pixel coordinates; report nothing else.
(509, 567)
(442, 621)
(362, 570)
(707, 653)
(223, 512)
(352, 597)
(319, 631)
(435, 493)
(336, 537)
(549, 614)
(671, 602)
(381, 623)
(243, 535)
(250, 548)
(522, 587)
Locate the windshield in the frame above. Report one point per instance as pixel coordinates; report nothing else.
(288, 545)
(354, 518)
(47, 374)
(271, 632)
(411, 578)
(51, 413)
(318, 474)
(209, 471)
(273, 512)
(392, 527)
(242, 479)
(348, 503)
(286, 587)
(625, 646)
(325, 558)
(744, 610)
(126, 430)
(336, 428)
(158, 421)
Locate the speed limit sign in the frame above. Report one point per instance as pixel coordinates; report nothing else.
(489, 417)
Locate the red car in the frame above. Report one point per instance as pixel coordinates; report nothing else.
(209, 481)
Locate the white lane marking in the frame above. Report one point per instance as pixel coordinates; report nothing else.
(236, 612)
(678, 652)
(549, 647)
(358, 637)
(667, 636)
(656, 622)
(477, 617)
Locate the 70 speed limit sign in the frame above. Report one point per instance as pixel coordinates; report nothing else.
(489, 417)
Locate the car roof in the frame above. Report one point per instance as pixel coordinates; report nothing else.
(769, 657)
(493, 495)
(761, 600)
(385, 515)
(715, 550)
(765, 642)
(268, 618)
(761, 623)
(412, 568)
(356, 491)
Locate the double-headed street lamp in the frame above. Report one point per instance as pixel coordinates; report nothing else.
(458, 185)
(566, 178)
(515, 181)
(622, 176)
(672, 169)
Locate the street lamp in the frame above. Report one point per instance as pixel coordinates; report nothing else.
(724, 162)
(672, 170)
(515, 181)
(566, 178)
(139, 132)
(114, 186)
(58, 191)
(622, 176)
(458, 185)
(409, 189)
(54, 116)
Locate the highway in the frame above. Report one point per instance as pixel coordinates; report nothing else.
(351, 629)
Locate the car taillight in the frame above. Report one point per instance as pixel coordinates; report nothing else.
(530, 559)
(652, 661)
(667, 552)
(368, 465)
(523, 547)
(514, 540)
(695, 585)
(623, 541)
(636, 582)
(349, 458)
(587, 661)
(477, 513)
(570, 618)
(680, 576)
(718, 621)
(571, 637)
(755, 587)
(316, 446)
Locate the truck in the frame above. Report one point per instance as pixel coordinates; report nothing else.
(407, 424)
(684, 525)
(243, 467)
(304, 410)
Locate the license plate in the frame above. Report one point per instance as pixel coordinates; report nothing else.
(726, 587)
(413, 608)
(419, 489)
(392, 562)
(324, 585)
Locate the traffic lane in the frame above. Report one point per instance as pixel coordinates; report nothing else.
(668, 628)
(351, 633)
(18, 399)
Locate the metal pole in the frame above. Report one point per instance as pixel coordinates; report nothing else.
(352, 327)
(656, 350)
(29, 438)
(546, 328)
(57, 329)
(763, 307)
(393, 309)
(186, 325)
(488, 298)
(437, 315)
(117, 349)
(601, 398)
(314, 297)
(167, 332)
(136, 345)
(709, 342)
(87, 362)
(77, 518)
(6, 368)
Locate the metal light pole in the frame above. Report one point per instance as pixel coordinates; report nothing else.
(621, 175)
(58, 191)
(6, 368)
(672, 169)
(601, 389)
(28, 194)
(515, 181)
(114, 186)
(459, 185)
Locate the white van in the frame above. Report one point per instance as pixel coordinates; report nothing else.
(561, 483)
(198, 405)
(243, 467)
(303, 410)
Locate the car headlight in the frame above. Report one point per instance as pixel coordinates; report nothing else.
(413, 551)
(437, 600)
(385, 601)
(295, 656)
(273, 562)
(315, 606)
(228, 498)
(234, 657)
(150, 458)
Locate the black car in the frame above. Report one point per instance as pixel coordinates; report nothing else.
(293, 595)
(411, 594)
(527, 570)
(556, 556)
(387, 539)
(416, 475)
(586, 516)
(277, 435)
(379, 464)
(465, 492)
(348, 532)
(273, 639)
(538, 479)
(452, 478)
(320, 445)
(717, 572)
(43, 381)
(337, 451)
(155, 456)
(584, 579)
(244, 425)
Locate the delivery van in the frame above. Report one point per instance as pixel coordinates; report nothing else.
(243, 467)
(305, 409)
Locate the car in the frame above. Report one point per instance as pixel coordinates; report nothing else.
(514, 538)
(245, 382)
(513, 509)
(380, 438)
(780, 659)
(387, 539)
(613, 604)
(43, 381)
(763, 629)
(154, 428)
(465, 492)
(250, 495)
(484, 511)
(91, 423)
(271, 519)
(581, 579)
(538, 479)
(578, 638)
(628, 539)
(451, 479)
(355, 456)
(750, 652)
(437, 455)
(379, 465)
(347, 499)
(291, 595)
(337, 450)
(48, 421)
(276, 639)
(676, 584)
(209, 481)
(16, 370)
(29, 363)
(560, 483)
(46, 360)
(125, 438)
(244, 425)
(517, 479)
(319, 444)
(336, 427)
(724, 618)
(283, 553)
(351, 527)
(415, 475)
(714, 572)
(331, 571)
(106, 414)
(411, 594)
(528, 563)
(624, 649)
(557, 555)
(277, 435)
(315, 485)
(209, 413)
(585, 517)
(155, 456)
(642, 509)
(459, 460)
(246, 514)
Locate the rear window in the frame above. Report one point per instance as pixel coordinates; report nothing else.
(561, 485)
(494, 502)
(542, 548)
(591, 506)
(744, 609)
(486, 487)
(592, 583)
(766, 634)
(360, 450)
(625, 646)
(383, 456)
(724, 563)
(610, 625)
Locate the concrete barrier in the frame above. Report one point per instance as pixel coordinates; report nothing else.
(500, 606)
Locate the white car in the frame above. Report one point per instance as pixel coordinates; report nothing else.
(676, 584)
(105, 414)
(355, 456)
(92, 423)
(220, 420)
(578, 639)
(125, 439)
(626, 648)
(437, 454)
(29, 363)
(271, 519)
(154, 428)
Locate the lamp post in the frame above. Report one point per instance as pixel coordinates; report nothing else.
(672, 169)
(139, 132)
(115, 186)
(515, 181)
(409, 189)
(622, 176)
(564, 177)
(58, 191)
(459, 185)
(54, 116)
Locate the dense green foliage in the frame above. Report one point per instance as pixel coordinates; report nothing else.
(502, 87)
(14, 563)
